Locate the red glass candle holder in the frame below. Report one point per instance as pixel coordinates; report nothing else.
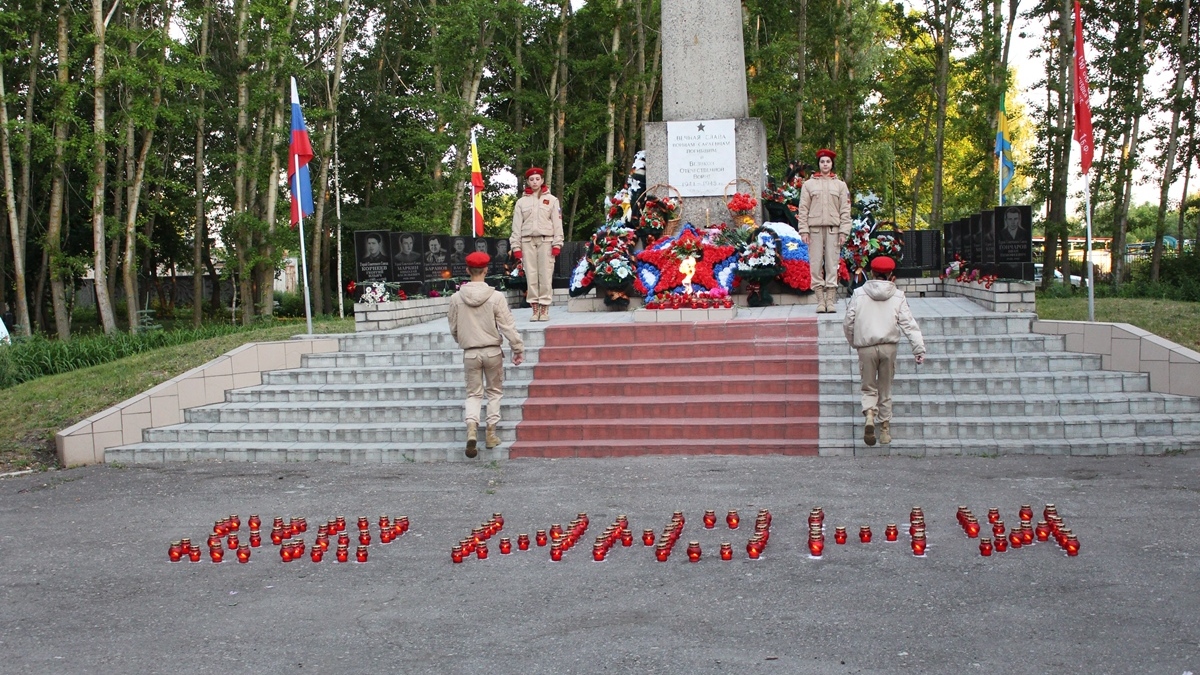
(1001, 544)
(316, 554)
(961, 515)
(890, 532)
(916, 524)
(403, 520)
(343, 539)
(386, 536)
(1072, 546)
(523, 542)
(839, 534)
(243, 553)
(277, 535)
(648, 537)
(693, 549)
(1042, 531)
(340, 522)
(221, 527)
(754, 550)
(598, 552)
(918, 547)
(726, 551)
(343, 553)
(972, 527)
(816, 547)
(255, 539)
(194, 554)
(661, 553)
(363, 523)
(993, 515)
(255, 522)
(456, 554)
(285, 551)
(1015, 540)
(556, 552)
(998, 528)
(175, 552)
(233, 541)
(481, 551)
(626, 538)
(364, 537)
(1050, 510)
(361, 554)
(185, 546)
(1026, 534)
(985, 547)
(864, 534)
(916, 512)
(710, 519)
(1026, 513)
(505, 546)
(322, 542)
(217, 554)
(732, 520)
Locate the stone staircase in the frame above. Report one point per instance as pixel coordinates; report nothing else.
(989, 385)
(383, 397)
(736, 387)
(776, 380)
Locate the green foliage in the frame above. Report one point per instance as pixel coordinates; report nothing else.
(35, 357)
(289, 304)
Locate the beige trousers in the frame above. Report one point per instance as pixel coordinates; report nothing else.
(823, 253)
(539, 270)
(484, 363)
(877, 366)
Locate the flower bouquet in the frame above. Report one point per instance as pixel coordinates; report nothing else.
(378, 292)
(741, 205)
(659, 215)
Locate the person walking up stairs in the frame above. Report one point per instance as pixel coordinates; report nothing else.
(478, 316)
(875, 316)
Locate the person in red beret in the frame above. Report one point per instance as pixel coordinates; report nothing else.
(823, 221)
(537, 239)
(876, 315)
(478, 316)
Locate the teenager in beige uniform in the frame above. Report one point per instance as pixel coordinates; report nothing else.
(824, 223)
(537, 238)
(875, 316)
(478, 316)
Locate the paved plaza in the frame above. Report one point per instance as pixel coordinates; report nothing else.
(86, 586)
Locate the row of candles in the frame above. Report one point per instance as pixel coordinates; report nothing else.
(816, 532)
(694, 301)
(1025, 534)
(225, 536)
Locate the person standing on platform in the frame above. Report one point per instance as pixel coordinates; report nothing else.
(537, 239)
(478, 316)
(875, 316)
(824, 223)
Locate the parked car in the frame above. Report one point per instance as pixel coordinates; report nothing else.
(1076, 280)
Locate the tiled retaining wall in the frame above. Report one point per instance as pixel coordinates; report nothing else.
(389, 315)
(86, 441)
(1173, 369)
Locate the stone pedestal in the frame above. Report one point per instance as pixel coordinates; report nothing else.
(751, 145)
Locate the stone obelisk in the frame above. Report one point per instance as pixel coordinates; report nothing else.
(706, 138)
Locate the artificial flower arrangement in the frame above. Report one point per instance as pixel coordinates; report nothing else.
(963, 273)
(863, 244)
(658, 266)
(657, 212)
(741, 204)
(378, 292)
(757, 261)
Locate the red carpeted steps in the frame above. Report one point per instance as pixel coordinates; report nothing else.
(733, 388)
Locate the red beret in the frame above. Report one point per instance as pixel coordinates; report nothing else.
(534, 170)
(478, 259)
(883, 265)
(824, 152)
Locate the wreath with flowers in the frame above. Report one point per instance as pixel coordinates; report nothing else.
(963, 273)
(793, 255)
(377, 292)
(656, 213)
(658, 272)
(864, 243)
(758, 259)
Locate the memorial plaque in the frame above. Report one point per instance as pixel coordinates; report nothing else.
(406, 257)
(460, 247)
(500, 256)
(701, 157)
(373, 262)
(947, 242)
(975, 239)
(437, 256)
(1014, 234)
(987, 233)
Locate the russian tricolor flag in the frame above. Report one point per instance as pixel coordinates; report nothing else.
(299, 153)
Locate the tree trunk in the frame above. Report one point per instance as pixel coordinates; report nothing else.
(1129, 161)
(942, 85)
(615, 51)
(14, 226)
(801, 72)
(1160, 225)
(518, 108)
(201, 231)
(27, 131)
(99, 167)
(470, 94)
(560, 150)
(241, 165)
(1056, 219)
(555, 84)
(53, 243)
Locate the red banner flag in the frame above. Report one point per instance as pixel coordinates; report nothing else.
(1083, 106)
(476, 188)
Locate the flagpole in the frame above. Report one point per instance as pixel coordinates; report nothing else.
(1087, 202)
(303, 254)
(337, 182)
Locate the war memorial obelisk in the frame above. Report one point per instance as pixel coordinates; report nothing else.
(706, 138)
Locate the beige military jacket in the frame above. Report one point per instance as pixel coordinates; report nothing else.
(824, 202)
(537, 216)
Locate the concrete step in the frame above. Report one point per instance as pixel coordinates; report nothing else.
(698, 350)
(394, 342)
(339, 412)
(633, 448)
(451, 374)
(398, 359)
(962, 364)
(1130, 445)
(272, 452)
(679, 366)
(714, 406)
(1059, 382)
(1067, 405)
(979, 324)
(968, 344)
(351, 393)
(449, 433)
(1032, 428)
(682, 332)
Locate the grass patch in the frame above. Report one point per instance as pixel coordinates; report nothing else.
(32, 412)
(1174, 320)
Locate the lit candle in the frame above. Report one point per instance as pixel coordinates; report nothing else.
(864, 534)
(839, 534)
(693, 550)
(243, 553)
(985, 547)
(710, 519)
(361, 554)
(505, 546)
(726, 551)
(890, 532)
